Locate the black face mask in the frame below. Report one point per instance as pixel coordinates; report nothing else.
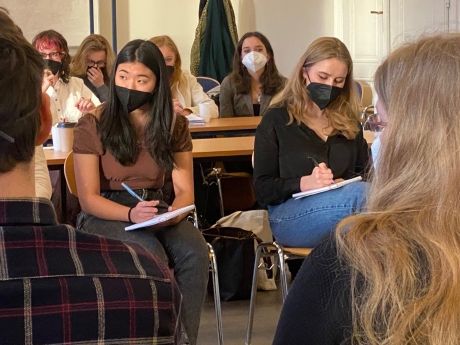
(53, 66)
(169, 71)
(132, 99)
(323, 94)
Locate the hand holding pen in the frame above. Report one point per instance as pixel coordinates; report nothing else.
(321, 176)
(144, 210)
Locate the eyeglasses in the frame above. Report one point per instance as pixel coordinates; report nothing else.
(374, 123)
(92, 63)
(53, 55)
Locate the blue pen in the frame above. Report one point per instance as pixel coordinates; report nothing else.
(130, 191)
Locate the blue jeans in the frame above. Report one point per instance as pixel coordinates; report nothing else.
(182, 245)
(305, 222)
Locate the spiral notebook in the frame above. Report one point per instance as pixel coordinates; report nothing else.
(301, 195)
(161, 218)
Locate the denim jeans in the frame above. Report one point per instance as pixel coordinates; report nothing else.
(182, 245)
(305, 222)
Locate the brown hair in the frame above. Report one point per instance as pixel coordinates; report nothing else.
(343, 113)
(405, 250)
(21, 73)
(272, 82)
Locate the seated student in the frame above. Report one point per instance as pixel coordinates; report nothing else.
(187, 93)
(136, 138)
(388, 276)
(254, 80)
(93, 63)
(69, 96)
(58, 285)
(315, 120)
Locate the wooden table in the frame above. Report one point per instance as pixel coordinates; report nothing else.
(202, 148)
(241, 125)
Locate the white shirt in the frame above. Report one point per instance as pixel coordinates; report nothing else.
(63, 98)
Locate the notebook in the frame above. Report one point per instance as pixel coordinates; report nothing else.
(195, 120)
(301, 195)
(161, 218)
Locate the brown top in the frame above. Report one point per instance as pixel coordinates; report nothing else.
(145, 173)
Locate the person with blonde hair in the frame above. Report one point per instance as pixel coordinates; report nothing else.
(391, 274)
(186, 91)
(93, 63)
(308, 139)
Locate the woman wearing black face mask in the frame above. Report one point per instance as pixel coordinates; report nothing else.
(310, 138)
(137, 139)
(187, 93)
(93, 63)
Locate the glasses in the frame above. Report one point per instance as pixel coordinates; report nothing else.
(92, 63)
(53, 55)
(374, 123)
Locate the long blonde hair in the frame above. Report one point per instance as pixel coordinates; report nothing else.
(91, 43)
(166, 41)
(404, 252)
(343, 113)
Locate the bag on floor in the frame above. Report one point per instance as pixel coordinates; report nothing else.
(257, 222)
(234, 249)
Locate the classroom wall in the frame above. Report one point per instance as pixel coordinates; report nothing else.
(289, 28)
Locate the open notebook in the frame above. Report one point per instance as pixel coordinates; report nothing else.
(325, 189)
(161, 218)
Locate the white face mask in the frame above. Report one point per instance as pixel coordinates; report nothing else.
(254, 61)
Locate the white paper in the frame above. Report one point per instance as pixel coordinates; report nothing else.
(195, 119)
(161, 218)
(325, 189)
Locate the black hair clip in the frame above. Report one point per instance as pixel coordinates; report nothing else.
(5, 136)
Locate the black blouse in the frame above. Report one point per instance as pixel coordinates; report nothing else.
(281, 156)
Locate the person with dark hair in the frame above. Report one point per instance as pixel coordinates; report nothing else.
(69, 96)
(310, 138)
(136, 138)
(254, 80)
(93, 63)
(59, 285)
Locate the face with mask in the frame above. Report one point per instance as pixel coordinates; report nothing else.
(254, 54)
(325, 80)
(134, 85)
(170, 59)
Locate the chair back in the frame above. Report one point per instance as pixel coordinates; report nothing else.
(364, 93)
(69, 173)
(207, 83)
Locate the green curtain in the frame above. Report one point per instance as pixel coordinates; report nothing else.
(215, 40)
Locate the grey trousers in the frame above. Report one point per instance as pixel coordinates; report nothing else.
(181, 245)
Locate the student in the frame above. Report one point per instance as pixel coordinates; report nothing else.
(187, 93)
(389, 275)
(310, 138)
(136, 138)
(58, 285)
(254, 79)
(70, 98)
(93, 63)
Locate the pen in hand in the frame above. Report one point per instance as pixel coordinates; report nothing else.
(130, 191)
(315, 162)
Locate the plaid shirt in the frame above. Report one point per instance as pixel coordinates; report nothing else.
(62, 286)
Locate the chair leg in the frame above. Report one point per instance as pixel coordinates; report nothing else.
(259, 254)
(282, 267)
(215, 284)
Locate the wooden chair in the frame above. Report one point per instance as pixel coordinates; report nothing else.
(69, 173)
(279, 254)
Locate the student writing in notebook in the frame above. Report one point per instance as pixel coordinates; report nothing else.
(389, 275)
(136, 138)
(315, 119)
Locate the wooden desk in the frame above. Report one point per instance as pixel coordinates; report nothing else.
(242, 125)
(202, 148)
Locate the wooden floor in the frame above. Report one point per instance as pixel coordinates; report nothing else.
(235, 317)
